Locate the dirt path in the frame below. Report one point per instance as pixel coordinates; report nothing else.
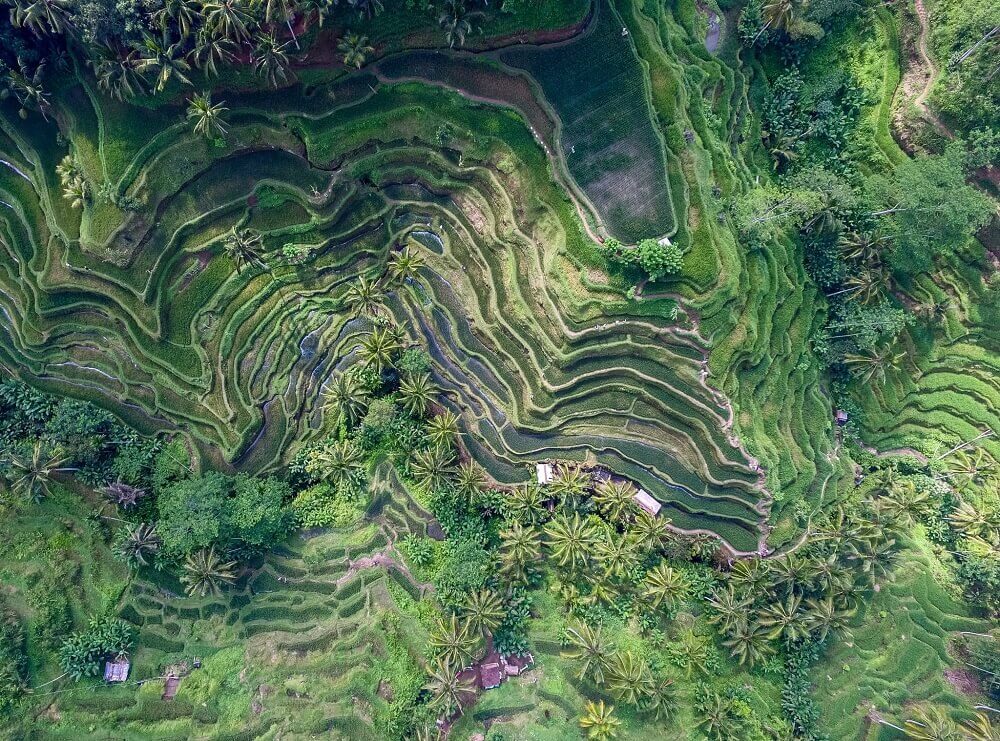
(930, 72)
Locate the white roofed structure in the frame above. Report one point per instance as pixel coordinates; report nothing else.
(544, 473)
(647, 502)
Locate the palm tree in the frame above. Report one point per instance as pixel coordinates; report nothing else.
(355, 49)
(861, 246)
(728, 608)
(227, 19)
(570, 485)
(652, 531)
(877, 557)
(714, 717)
(930, 723)
(661, 699)
(785, 619)
(591, 649)
(972, 522)
(417, 393)
(243, 246)
(367, 7)
(456, 20)
(692, 650)
(207, 117)
(138, 544)
(210, 51)
(378, 349)
(164, 59)
(520, 548)
(469, 481)
(787, 572)
(572, 540)
(748, 575)
(617, 555)
(867, 286)
(271, 60)
(42, 17)
(779, 14)
(123, 495)
(322, 9)
(664, 585)
(76, 191)
(981, 728)
(404, 265)
(484, 611)
(454, 642)
(971, 468)
(186, 15)
(599, 721)
(282, 11)
(872, 365)
(524, 503)
(26, 85)
(824, 617)
(205, 573)
(615, 500)
(32, 476)
(629, 679)
(431, 467)
(347, 398)
(365, 296)
(117, 75)
(748, 642)
(338, 462)
(449, 691)
(442, 429)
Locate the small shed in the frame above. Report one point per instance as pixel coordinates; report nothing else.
(514, 665)
(170, 686)
(841, 416)
(490, 675)
(647, 502)
(544, 473)
(117, 670)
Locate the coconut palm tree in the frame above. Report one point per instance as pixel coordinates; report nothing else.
(598, 721)
(210, 51)
(785, 619)
(456, 20)
(164, 59)
(871, 366)
(520, 547)
(824, 616)
(432, 467)
(138, 545)
(728, 607)
(228, 19)
(321, 8)
(652, 531)
(484, 611)
(692, 650)
(185, 14)
(26, 83)
(207, 117)
(367, 8)
(338, 462)
(205, 573)
(469, 481)
(629, 679)
(977, 468)
(876, 557)
(524, 504)
(355, 49)
(454, 642)
(748, 575)
(664, 585)
(365, 296)
(570, 485)
(779, 14)
(379, 349)
(76, 191)
(416, 393)
(661, 699)
(31, 476)
(714, 718)
(282, 11)
(974, 523)
(243, 247)
(271, 60)
(123, 495)
(442, 429)
(42, 17)
(117, 75)
(591, 649)
(861, 246)
(617, 555)
(404, 265)
(615, 500)
(572, 540)
(448, 691)
(981, 728)
(931, 723)
(748, 642)
(867, 286)
(347, 399)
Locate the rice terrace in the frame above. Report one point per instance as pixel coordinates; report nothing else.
(495, 370)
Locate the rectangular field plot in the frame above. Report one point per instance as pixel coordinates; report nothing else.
(595, 85)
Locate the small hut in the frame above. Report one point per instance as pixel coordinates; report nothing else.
(514, 665)
(841, 416)
(117, 670)
(490, 675)
(544, 473)
(646, 502)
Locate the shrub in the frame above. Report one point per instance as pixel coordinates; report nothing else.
(82, 653)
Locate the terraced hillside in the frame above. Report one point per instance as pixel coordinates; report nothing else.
(296, 648)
